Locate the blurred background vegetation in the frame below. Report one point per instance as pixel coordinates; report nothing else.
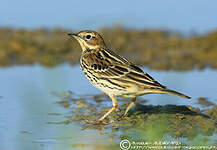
(157, 49)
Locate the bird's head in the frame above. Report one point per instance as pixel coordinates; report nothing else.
(89, 39)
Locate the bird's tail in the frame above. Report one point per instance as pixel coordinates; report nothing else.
(168, 91)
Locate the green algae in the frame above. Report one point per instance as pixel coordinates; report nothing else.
(146, 122)
(205, 102)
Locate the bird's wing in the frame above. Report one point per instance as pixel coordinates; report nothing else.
(106, 64)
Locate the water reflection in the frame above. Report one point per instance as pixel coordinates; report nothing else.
(31, 118)
(26, 104)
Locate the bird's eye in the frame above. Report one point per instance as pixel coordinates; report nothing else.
(88, 36)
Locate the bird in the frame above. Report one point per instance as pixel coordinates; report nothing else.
(113, 74)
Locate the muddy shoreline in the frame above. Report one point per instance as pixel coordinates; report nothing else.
(179, 121)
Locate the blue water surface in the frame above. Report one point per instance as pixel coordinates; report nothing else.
(27, 104)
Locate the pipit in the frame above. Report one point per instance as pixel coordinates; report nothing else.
(114, 74)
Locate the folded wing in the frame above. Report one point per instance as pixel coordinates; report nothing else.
(105, 64)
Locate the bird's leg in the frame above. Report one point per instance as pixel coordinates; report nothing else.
(129, 106)
(114, 106)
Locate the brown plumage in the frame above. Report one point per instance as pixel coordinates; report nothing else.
(114, 74)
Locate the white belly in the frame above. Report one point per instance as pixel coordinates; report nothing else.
(104, 85)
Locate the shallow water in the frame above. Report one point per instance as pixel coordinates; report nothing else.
(32, 119)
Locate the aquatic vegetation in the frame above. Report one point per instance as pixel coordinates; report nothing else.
(154, 48)
(205, 102)
(148, 122)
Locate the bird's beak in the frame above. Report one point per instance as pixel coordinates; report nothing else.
(72, 35)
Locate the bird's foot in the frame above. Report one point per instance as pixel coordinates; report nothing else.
(122, 117)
